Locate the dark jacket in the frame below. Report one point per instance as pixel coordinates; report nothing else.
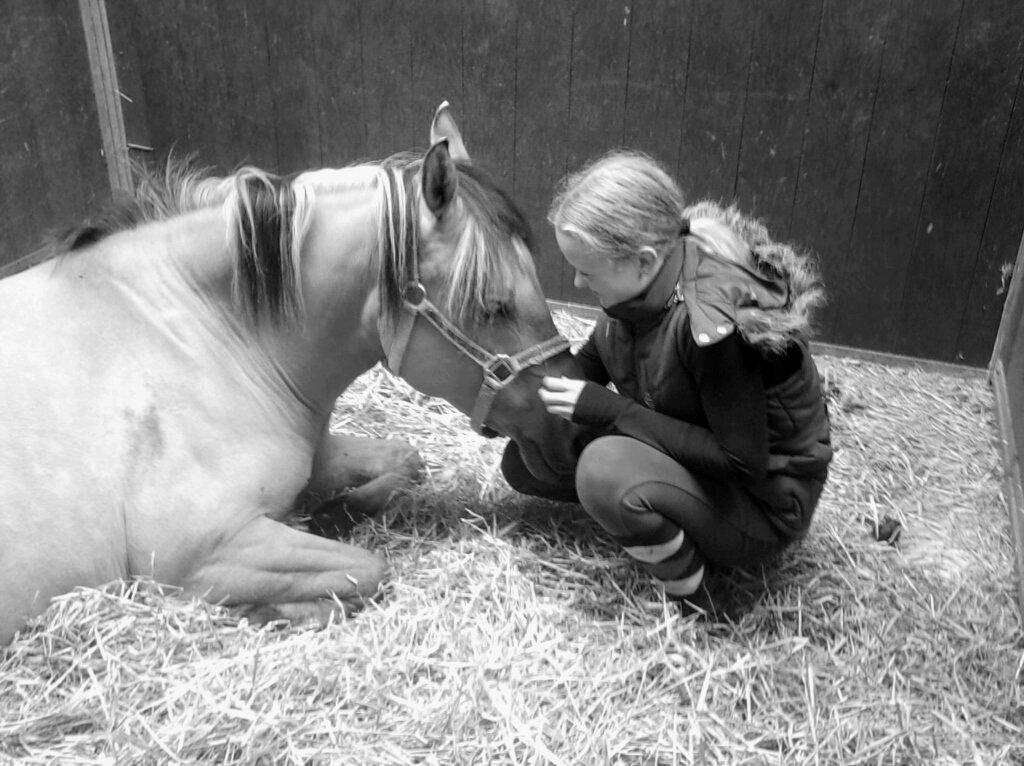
(736, 410)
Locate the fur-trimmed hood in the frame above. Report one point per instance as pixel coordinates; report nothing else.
(769, 301)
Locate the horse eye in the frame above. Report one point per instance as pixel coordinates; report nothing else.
(499, 310)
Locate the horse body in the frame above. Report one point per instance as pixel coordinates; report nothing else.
(158, 424)
(162, 415)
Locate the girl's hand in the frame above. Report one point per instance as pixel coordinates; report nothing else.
(560, 395)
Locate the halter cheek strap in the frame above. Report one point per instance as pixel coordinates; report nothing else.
(499, 370)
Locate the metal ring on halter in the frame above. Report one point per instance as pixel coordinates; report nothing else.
(502, 369)
(414, 295)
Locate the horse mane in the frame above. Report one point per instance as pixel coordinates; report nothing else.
(267, 218)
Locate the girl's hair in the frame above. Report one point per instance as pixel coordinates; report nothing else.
(626, 200)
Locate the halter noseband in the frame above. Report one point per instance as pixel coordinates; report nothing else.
(499, 370)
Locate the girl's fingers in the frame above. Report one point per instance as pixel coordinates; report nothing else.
(552, 383)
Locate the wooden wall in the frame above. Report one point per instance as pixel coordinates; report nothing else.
(887, 137)
(51, 164)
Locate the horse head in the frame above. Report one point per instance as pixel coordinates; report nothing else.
(464, 316)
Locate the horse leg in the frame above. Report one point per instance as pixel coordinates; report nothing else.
(354, 477)
(269, 564)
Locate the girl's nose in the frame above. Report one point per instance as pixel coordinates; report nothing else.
(578, 281)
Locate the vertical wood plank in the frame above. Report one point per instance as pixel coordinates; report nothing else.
(249, 105)
(716, 95)
(293, 83)
(541, 123)
(488, 101)
(849, 54)
(659, 50)
(597, 84)
(949, 254)
(1006, 207)
(436, 45)
(1007, 389)
(918, 47)
(124, 40)
(338, 57)
(597, 96)
(776, 110)
(387, 72)
(104, 86)
(1010, 338)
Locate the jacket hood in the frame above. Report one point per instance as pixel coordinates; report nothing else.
(768, 301)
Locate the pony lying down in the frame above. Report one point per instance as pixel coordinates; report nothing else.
(168, 373)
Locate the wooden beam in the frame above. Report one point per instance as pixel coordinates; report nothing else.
(1013, 312)
(1011, 474)
(108, 97)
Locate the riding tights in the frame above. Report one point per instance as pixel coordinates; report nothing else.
(671, 520)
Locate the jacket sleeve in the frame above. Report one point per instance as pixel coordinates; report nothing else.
(734, 446)
(590, 362)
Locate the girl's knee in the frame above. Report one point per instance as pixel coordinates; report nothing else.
(597, 461)
(600, 462)
(609, 489)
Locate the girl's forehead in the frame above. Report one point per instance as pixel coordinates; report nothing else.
(577, 251)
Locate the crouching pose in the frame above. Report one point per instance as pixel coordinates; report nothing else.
(714, 446)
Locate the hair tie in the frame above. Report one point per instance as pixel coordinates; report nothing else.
(684, 227)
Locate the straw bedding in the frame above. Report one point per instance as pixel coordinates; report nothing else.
(513, 632)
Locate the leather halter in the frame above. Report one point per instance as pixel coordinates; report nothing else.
(499, 370)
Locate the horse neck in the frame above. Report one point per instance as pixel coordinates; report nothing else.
(182, 268)
(337, 338)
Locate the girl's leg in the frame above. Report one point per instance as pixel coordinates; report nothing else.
(668, 518)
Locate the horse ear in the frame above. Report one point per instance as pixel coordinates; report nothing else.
(444, 127)
(440, 178)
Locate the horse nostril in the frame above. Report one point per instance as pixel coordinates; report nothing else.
(488, 433)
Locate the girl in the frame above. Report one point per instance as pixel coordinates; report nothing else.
(714, 446)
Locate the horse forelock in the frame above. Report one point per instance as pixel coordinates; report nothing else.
(493, 250)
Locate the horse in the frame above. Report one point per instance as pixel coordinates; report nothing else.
(168, 370)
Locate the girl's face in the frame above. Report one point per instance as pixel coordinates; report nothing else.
(612, 280)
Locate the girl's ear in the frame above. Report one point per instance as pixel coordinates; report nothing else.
(647, 258)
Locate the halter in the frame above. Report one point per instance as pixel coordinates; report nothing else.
(499, 370)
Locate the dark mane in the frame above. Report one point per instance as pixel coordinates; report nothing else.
(261, 209)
